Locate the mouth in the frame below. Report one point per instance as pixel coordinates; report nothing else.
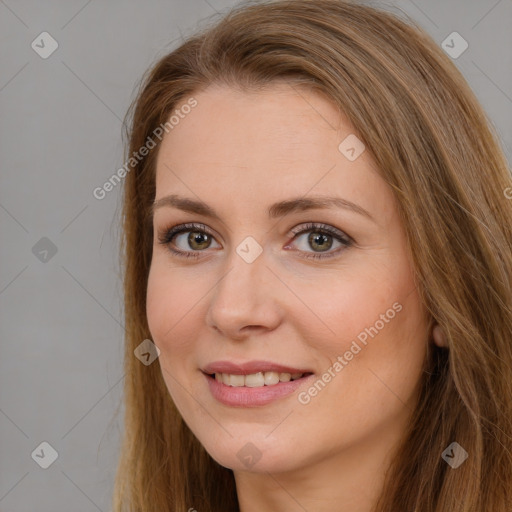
(256, 380)
(253, 383)
(254, 389)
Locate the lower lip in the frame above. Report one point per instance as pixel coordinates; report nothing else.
(250, 397)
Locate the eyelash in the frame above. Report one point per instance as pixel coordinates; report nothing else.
(167, 235)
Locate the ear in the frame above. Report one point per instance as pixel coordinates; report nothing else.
(439, 336)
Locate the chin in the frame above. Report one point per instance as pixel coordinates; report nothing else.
(256, 455)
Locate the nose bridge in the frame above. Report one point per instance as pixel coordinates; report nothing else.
(243, 297)
(244, 277)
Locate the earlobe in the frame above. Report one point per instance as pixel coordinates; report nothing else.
(438, 336)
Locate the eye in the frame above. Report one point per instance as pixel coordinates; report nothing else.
(321, 238)
(198, 239)
(195, 238)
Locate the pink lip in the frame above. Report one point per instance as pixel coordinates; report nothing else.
(252, 397)
(250, 367)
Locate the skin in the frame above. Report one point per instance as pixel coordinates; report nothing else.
(240, 152)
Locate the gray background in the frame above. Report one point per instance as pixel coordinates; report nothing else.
(60, 137)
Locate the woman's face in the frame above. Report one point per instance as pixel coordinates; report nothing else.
(273, 281)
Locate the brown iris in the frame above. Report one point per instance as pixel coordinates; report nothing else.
(316, 238)
(197, 237)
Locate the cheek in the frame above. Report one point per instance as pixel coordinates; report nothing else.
(170, 313)
(375, 322)
(338, 310)
(170, 304)
(381, 360)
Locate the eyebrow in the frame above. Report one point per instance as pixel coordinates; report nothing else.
(276, 210)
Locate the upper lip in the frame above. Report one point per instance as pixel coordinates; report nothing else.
(250, 367)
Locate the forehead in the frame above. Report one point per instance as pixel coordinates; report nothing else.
(235, 126)
(274, 143)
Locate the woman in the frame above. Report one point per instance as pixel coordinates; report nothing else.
(317, 242)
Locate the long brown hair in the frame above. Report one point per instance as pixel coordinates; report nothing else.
(438, 152)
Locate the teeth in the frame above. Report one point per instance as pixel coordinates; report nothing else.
(271, 378)
(256, 380)
(236, 380)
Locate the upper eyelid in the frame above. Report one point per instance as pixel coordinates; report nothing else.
(320, 226)
(298, 230)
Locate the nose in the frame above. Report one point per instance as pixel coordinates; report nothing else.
(245, 299)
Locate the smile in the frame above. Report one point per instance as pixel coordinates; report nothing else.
(256, 380)
(252, 390)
